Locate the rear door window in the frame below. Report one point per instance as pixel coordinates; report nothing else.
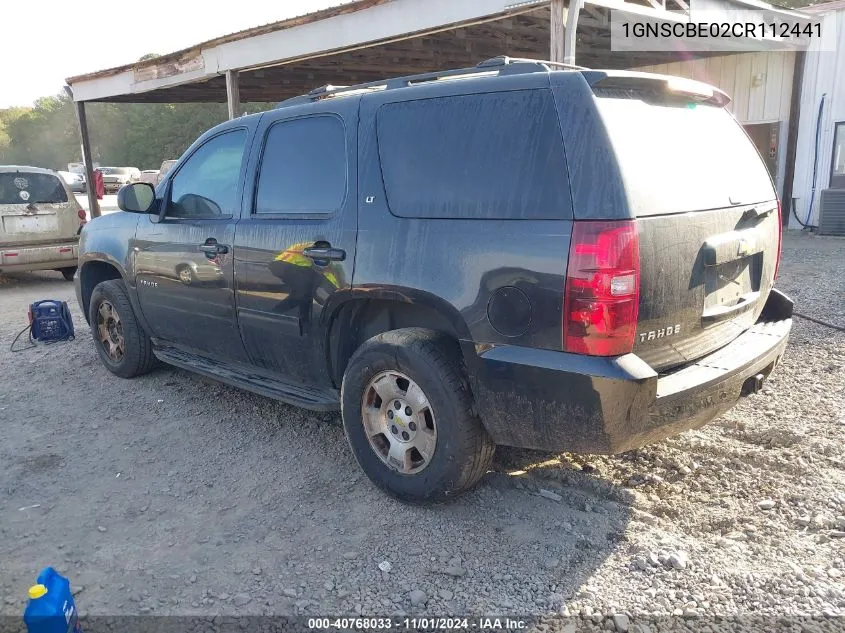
(31, 188)
(482, 156)
(678, 157)
(303, 167)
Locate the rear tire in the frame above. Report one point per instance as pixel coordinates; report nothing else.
(122, 344)
(68, 273)
(456, 450)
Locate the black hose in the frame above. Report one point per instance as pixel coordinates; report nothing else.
(806, 222)
(833, 326)
(800, 221)
(28, 328)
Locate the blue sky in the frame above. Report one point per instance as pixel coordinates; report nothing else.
(45, 41)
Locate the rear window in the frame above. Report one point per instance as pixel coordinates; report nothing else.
(30, 188)
(682, 157)
(485, 156)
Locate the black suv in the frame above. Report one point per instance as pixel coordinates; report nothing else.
(517, 254)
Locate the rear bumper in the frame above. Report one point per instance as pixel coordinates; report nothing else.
(39, 257)
(557, 401)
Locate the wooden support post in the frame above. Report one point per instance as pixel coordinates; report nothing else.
(93, 203)
(792, 137)
(558, 31)
(571, 31)
(233, 94)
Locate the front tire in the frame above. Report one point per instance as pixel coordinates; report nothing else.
(432, 446)
(122, 344)
(68, 273)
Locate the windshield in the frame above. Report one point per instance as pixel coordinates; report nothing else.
(123, 170)
(108, 170)
(679, 158)
(29, 188)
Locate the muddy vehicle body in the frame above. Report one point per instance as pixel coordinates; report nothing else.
(510, 254)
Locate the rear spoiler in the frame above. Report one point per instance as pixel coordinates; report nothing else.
(666, 85)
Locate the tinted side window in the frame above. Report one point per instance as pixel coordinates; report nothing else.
(207, 184)
(303, 168)
(487, 156)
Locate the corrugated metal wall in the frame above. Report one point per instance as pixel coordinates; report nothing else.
(766, 102)
(824, 74)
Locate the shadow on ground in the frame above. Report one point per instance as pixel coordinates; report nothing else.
(173, 494)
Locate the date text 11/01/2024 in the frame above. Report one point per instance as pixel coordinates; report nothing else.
(416, 624)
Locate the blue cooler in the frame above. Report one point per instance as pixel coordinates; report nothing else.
(51, 608)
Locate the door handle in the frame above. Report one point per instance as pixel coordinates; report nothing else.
(757, 214)
(212, 248)
(324, 253)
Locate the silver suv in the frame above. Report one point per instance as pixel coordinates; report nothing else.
(115, 177)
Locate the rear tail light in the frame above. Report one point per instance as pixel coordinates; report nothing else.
(602, 288)
(780, 238)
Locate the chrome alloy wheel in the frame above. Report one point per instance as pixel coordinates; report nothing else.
(110, 332)
(399, 422)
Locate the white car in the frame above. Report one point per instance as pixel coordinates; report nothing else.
(150, 176)
(166, 166)
(40, 221)
(75, 181)
(115, 177)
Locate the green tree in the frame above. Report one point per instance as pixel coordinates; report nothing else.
(40, 135)
(122, 134)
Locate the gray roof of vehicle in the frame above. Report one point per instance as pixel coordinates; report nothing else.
(32, 170)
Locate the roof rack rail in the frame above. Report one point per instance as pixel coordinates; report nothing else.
(325, 89)
(501, 65)
(504, 60)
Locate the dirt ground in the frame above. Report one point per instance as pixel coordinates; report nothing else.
(173, 494)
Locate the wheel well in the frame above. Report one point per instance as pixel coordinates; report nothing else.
(358, 321)
(94, 273)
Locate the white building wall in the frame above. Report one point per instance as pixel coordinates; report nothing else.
(824, 74)
(766, 102)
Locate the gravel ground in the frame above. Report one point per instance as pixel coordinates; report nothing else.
(172, 494)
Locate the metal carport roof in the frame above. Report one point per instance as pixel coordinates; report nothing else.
(366, 40)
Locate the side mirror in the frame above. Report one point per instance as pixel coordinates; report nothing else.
(139, 197)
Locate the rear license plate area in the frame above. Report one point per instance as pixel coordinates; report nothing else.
(730, 286)
(16, 224)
